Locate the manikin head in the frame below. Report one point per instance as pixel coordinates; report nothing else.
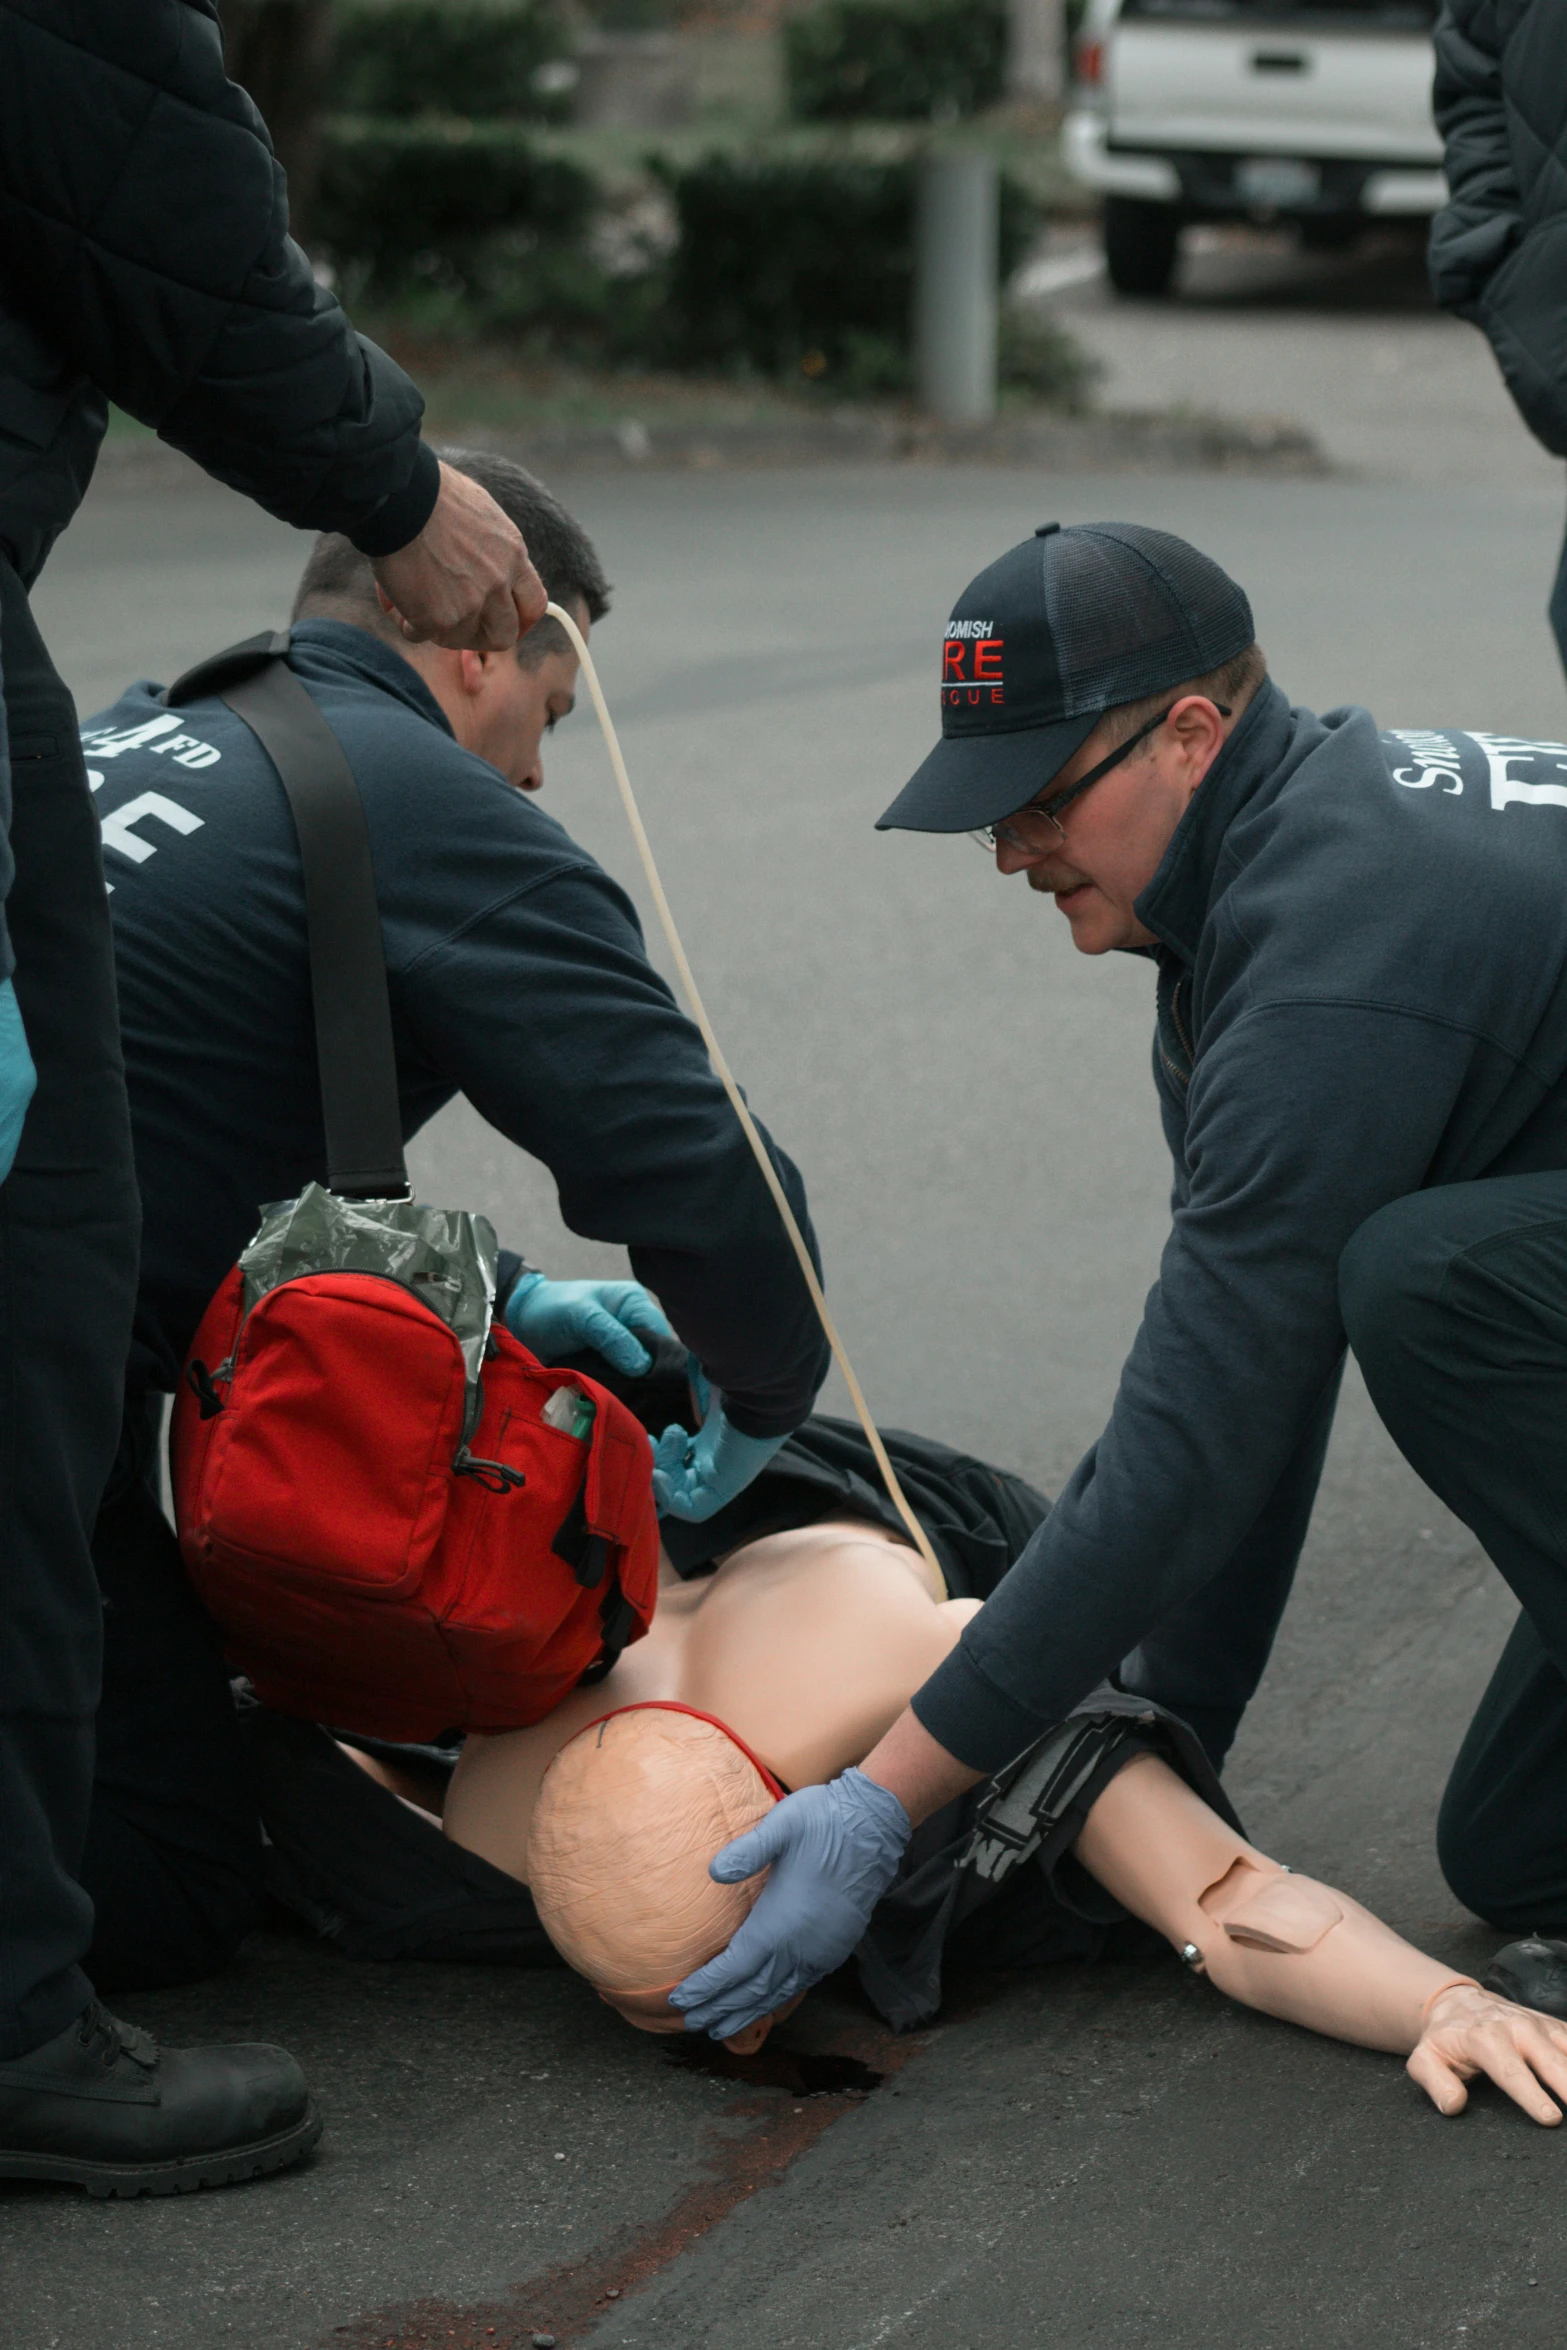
(499, 705)
(630, 1813)
(1105, 655)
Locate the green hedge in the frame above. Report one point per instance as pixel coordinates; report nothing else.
(896, 60)
(803, 267)
(399, 201)
(798, 269)
(481, 58)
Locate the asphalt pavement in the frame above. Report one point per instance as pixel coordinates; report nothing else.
(1110, 2157)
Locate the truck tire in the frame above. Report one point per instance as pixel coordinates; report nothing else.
(1330, 232)
(1140, 242)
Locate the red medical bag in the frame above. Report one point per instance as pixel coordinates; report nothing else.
(391, 1536)
(368, 1568)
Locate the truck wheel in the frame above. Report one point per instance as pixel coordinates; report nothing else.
(1140, 244)
(1330, 232)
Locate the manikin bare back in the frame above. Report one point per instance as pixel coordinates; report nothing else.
(805, 1646)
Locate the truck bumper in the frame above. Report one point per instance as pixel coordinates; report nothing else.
(1203, 185)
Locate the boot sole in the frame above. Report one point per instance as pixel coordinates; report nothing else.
(226, 2168)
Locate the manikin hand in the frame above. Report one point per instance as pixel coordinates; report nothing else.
(466, 580)
(555, 1318)
(1469, 2031)
(830, 1853)
(696, 1476)
(17, 1075)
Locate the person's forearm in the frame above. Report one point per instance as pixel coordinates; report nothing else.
(736, 1297)
(910, 1765)
(1272, 1940)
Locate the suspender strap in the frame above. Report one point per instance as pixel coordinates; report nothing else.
(353, 1014)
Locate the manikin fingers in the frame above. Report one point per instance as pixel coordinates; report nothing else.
(1440, 2083)
(1542, 2051)
(1471, 2032)
(1502, 2062)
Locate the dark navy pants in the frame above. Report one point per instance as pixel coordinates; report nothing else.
(68, 1239)
(1455, 1301)
(173, 1858)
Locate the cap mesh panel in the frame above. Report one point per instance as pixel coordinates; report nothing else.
(1133, 611)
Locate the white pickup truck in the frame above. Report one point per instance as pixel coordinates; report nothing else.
(1313, 111)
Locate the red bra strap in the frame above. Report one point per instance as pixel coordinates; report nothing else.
(670, 1705)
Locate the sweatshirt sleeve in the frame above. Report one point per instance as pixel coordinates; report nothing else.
(1303, 1119)
(549, 1017)
(144, 230)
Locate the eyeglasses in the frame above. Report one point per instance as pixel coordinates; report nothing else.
(1026, 831)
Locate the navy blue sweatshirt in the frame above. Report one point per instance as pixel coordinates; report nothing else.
(1363, 991)
(518, 977)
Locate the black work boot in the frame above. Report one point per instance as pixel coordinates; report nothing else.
(105, 2108)
(1534, 1972)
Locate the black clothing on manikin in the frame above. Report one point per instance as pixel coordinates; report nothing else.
(1456, 1306)
(978, 1518)
(1499, 245)
(67, 1283)
(518, 977)
(1362, 994)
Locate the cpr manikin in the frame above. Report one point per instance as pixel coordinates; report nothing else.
(800, 1650)
(630, 1813)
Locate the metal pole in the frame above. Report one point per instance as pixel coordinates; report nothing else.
(1036, 51)
(955, 271)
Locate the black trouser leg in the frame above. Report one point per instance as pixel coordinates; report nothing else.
(68, 1232)
(1502, 1831)
(1456, 1305)
(174, 1859)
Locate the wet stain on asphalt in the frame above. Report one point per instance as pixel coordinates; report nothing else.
(565, 2303)
(797, 2070)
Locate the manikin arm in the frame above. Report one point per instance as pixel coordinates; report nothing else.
(1295, 1949)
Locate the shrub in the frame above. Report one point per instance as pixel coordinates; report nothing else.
(897, 60)
(400, 201)
(806, 268)
(480, 58)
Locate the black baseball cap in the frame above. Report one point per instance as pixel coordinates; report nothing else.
(1046, 640)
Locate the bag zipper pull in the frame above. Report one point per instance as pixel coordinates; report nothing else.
(203, 1385)
(494, 1476)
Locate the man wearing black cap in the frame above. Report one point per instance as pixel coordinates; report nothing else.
(1361, 1057)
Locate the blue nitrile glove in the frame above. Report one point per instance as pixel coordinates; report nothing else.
(554, 1318)
(830, 1854)
(694, 1476)
(17, 1075)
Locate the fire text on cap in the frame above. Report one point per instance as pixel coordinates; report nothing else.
(971, 666)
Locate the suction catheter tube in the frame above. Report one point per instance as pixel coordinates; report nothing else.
(693, 997)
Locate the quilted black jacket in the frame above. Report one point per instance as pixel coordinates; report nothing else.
(1499, 248)
(145, 258)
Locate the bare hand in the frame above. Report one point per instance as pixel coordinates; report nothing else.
(1470, 2031)
(466, 581)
